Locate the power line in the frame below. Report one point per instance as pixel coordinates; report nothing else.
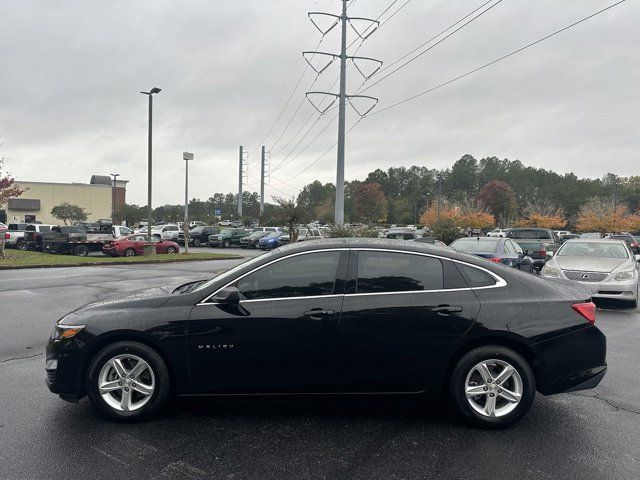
(432, 46)
(504, 57)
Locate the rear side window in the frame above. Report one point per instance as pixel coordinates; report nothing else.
(380, 272)
(475, 277)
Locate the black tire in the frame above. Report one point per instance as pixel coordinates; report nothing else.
(171, 250)
(81, 251)
(22, 246)
(226, 243)
(196, 242)
(458, 380)
(130, 252)
(162, 381)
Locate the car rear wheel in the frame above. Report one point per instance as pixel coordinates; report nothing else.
(129, 252)
(226, 244)
(196, 242)
(81, 251)
(128, 381)
(171, 250)
(21, 245)
(492, 386)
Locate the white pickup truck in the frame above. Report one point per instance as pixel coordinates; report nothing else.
(15, 232)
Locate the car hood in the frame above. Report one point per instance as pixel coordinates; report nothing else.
(149, 298)
(589, 264)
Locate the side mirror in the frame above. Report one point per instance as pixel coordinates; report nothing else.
(227, 296)
(637, 257)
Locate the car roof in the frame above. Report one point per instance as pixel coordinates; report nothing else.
(593, 240)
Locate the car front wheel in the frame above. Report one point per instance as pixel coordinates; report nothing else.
(492, 386)
(226, 244)
(128, 381)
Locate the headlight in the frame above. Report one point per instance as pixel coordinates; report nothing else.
(552, 272)
(626, 275)
(65, 331)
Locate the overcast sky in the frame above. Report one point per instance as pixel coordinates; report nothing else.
(71, 73)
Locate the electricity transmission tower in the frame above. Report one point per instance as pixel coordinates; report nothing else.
(264, 172)
(357, 24)
(242, 176)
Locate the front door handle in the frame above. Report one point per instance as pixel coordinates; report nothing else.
(318, 313)
(446, 309)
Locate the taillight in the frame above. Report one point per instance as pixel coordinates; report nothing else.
(543, 251)
(587, 310)
(634, 245)
(7, 236)
(495, 260)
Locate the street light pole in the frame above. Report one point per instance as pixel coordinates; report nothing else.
(186, 156)
(113, 198)
(149, 249)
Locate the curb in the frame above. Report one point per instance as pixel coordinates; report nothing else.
(96, 264)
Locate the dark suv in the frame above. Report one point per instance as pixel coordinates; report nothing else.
(199, 236)
(227, 237)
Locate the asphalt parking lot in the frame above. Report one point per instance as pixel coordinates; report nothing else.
(593, 434)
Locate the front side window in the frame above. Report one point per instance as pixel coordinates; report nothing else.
(311, 274)
(380, 272)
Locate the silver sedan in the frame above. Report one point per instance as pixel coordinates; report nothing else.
(608, 268)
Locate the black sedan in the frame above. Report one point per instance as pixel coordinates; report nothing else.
(497, 250)
(350, 316)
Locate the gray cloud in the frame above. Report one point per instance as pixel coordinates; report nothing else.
(69, 102)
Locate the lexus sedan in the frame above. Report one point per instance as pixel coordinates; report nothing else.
(351, 316)
(133, 245)
(608, 268)
(495, 249)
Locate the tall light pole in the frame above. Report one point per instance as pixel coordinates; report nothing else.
(149, 249)
(186, 156)
(113, 198)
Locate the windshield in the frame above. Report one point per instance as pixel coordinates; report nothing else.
(593, 249)
(230, 273)
(475, 245)
(274, 234)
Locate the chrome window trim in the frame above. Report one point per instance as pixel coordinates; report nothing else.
(500, 282)
(205, 301)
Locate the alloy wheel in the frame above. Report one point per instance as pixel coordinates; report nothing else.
(493, 388)
(126, 382)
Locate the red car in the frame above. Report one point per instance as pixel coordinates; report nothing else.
(133, 245)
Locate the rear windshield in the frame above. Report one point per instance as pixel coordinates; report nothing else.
(593, 249)
(475, 245)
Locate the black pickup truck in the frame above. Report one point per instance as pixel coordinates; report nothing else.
(199, 235)
(73, 240)
(536, 242)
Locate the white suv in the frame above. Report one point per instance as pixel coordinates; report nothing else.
(166, 232)
(498, 232)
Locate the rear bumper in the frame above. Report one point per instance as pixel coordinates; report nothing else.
(570, 362)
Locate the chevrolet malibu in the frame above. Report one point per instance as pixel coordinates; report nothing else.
(353, 316)
(608, 268)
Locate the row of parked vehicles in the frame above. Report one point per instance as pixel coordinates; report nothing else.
(264, 238)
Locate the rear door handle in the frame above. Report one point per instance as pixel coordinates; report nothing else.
(318, 313)
(446, 309)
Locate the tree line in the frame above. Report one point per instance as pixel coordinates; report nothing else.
(485, 192)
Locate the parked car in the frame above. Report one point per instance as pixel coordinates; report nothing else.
(537, 243)
(629, 239)
(498, 232)
(564, 238)
(271, 241)
(133, 245)
(15, 232)
(199, 235)
(400, 233)
(121, 231)
(486, 336)
(225, 223)
(562, 233)
(166, 232)
(591, 235)
(495, 249)
(266, 229)
(227, 237)
(253, 239)
(607, 268)
(304, 234)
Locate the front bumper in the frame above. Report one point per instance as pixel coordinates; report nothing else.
(66, 379)
(621, 290)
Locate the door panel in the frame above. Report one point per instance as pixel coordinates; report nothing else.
(401, 340)
(264, 346)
